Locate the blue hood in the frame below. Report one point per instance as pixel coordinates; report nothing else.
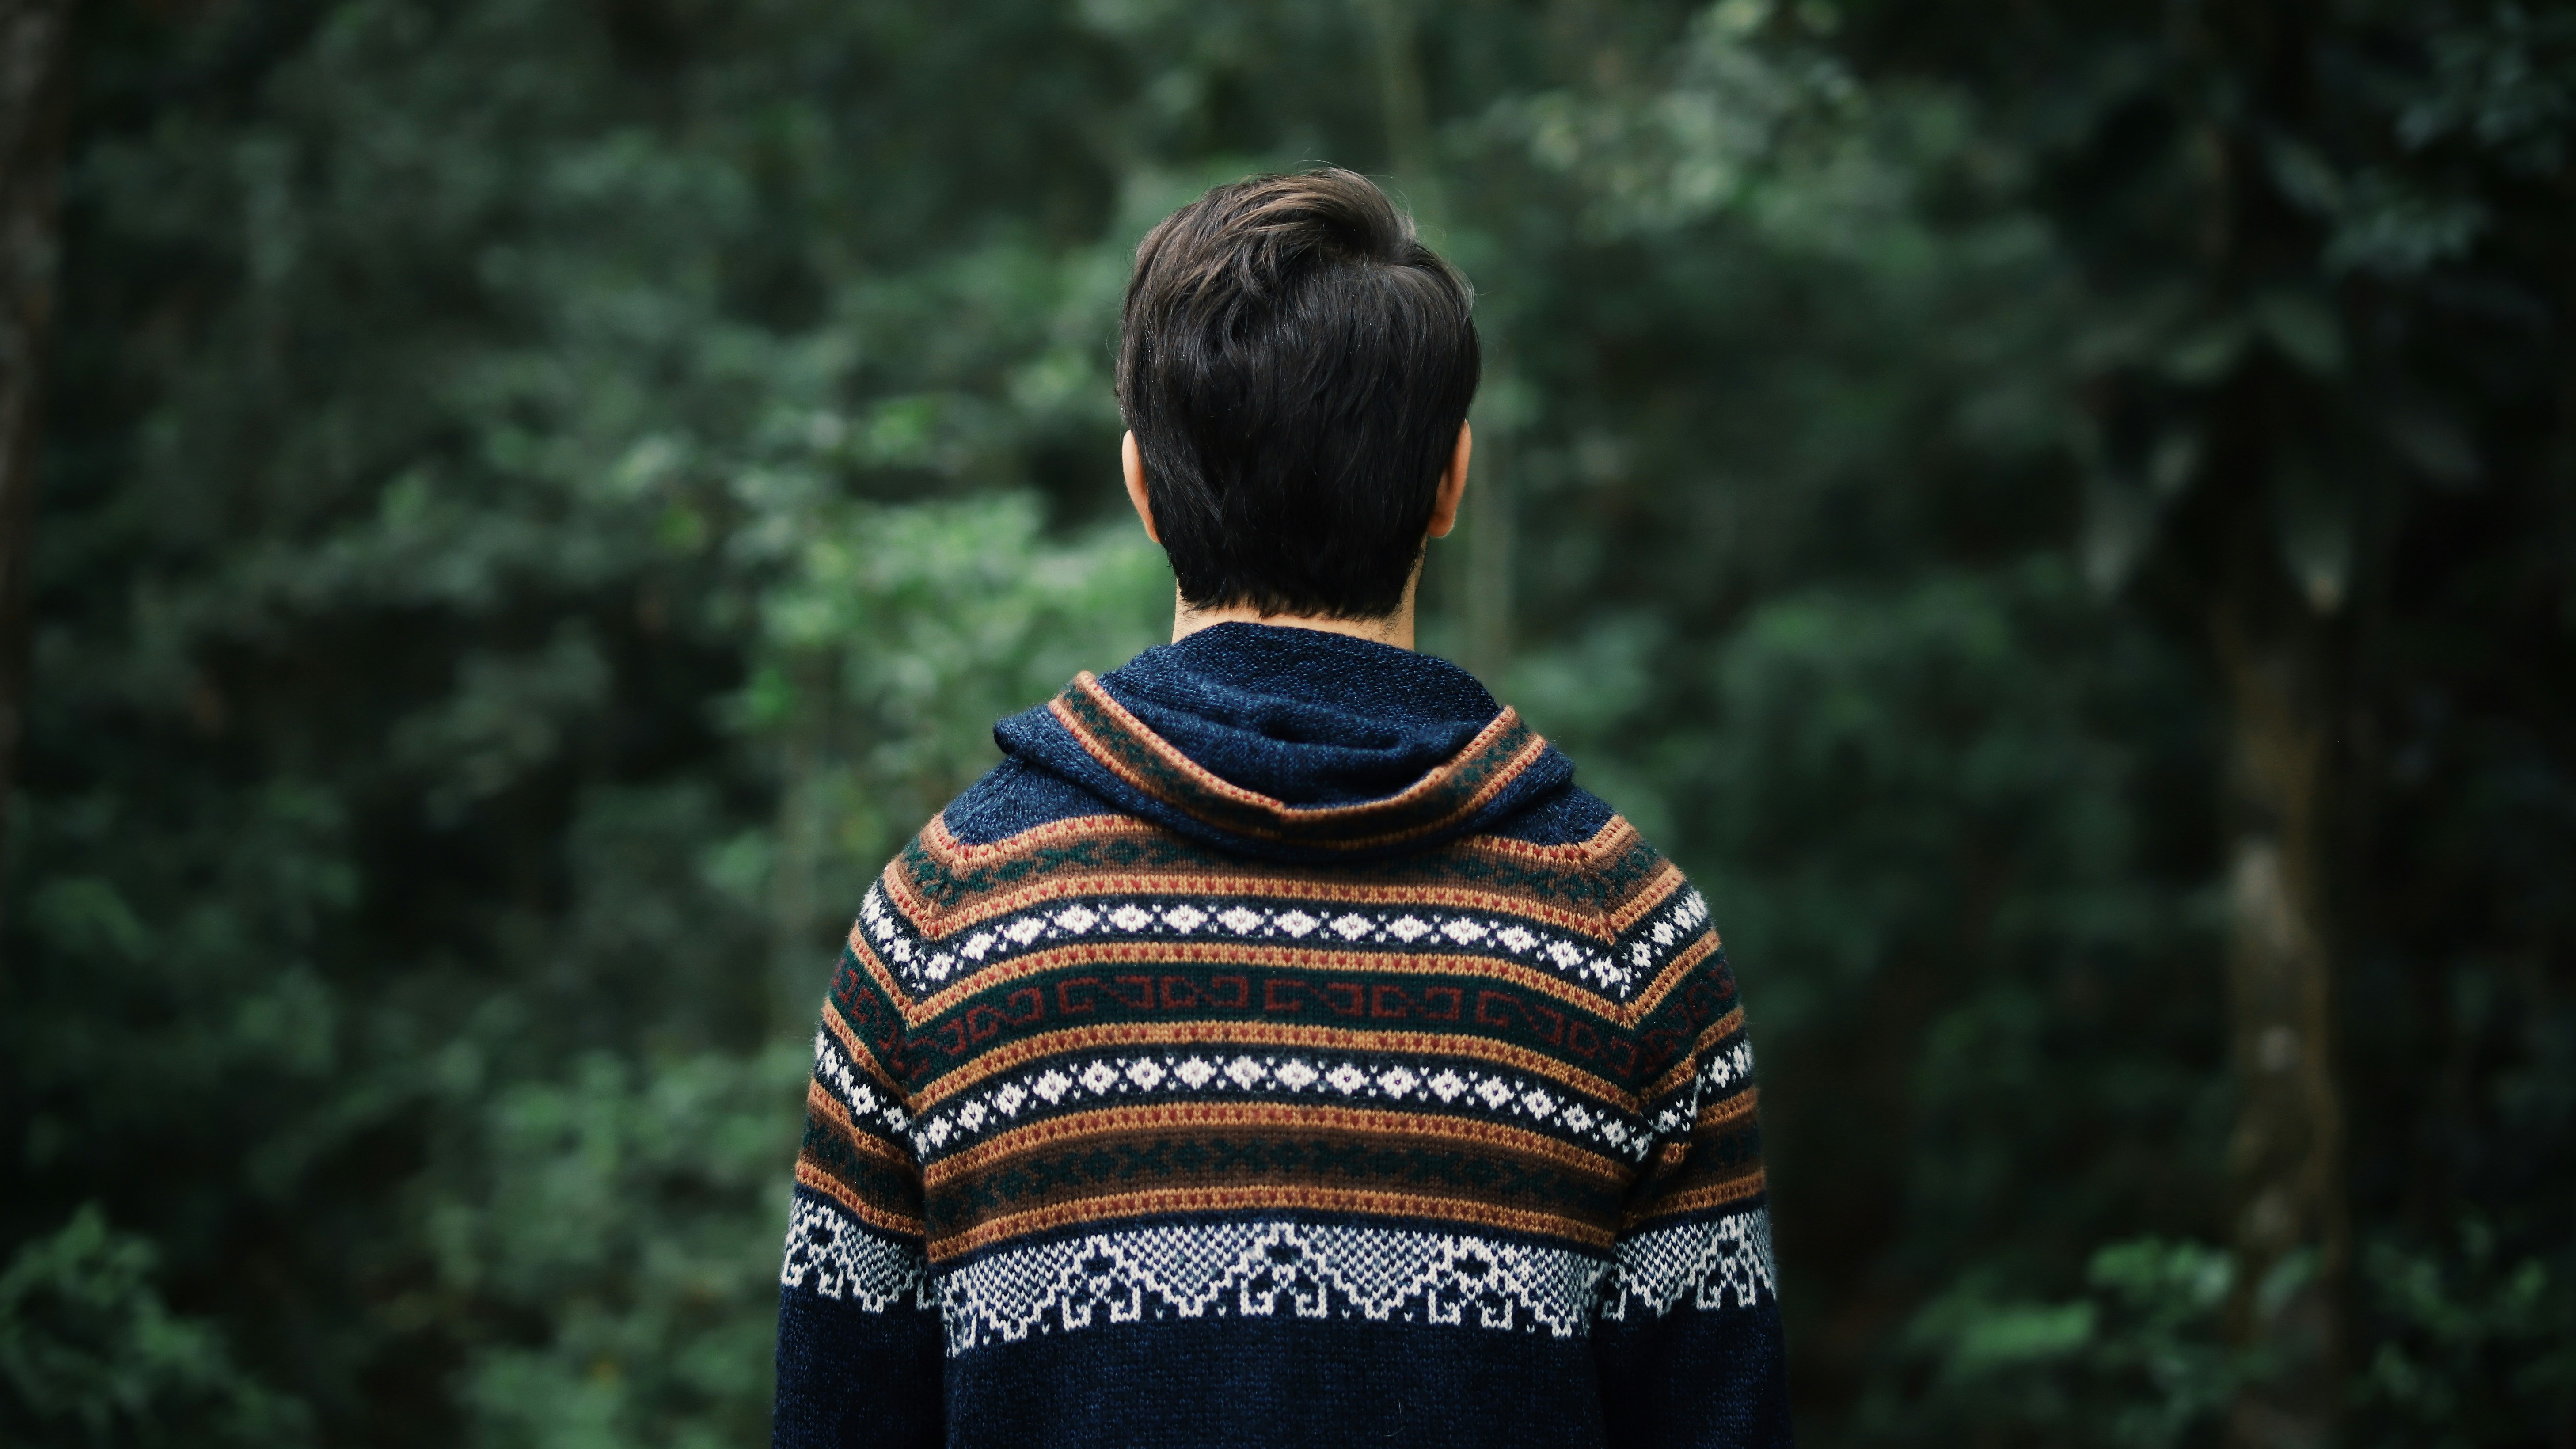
(1292, 744)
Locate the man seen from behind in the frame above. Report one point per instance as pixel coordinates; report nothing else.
(1277, 1048)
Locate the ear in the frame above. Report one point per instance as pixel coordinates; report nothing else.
(1132, 463)
(1453, 485)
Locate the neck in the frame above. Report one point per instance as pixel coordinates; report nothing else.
(1395, 629)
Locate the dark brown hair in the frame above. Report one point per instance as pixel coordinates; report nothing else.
(1295, 365)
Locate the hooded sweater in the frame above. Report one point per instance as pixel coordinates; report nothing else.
(1278, 1049)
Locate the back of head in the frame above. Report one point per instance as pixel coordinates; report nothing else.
(1295, 365)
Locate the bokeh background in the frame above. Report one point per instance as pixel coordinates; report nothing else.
(2061, 513)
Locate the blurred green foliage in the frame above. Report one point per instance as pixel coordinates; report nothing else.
(541, 498)
(90, 1352)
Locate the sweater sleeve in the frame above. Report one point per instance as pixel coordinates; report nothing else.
(859, 1344)
(1688, 1339)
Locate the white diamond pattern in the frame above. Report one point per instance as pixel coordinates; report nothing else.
(1725, 1070)
(1507, 1095)
(1618, 972)
(867, 1105)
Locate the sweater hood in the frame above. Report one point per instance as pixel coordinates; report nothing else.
(1292, 744)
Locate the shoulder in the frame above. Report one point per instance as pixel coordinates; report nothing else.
(1629, 876)
(997, 865)
(1664, 959)
(1651, 924)
(1569, 815)
(1014, 798)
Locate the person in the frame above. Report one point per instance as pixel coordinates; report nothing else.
(1277, 1048)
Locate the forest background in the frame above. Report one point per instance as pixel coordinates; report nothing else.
(2061, 515)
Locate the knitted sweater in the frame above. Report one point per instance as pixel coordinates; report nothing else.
(1278, 1049)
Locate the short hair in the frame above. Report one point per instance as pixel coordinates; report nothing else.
(1295, 365)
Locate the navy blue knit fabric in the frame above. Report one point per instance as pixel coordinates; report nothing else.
(1304, 717)
(917, 1310)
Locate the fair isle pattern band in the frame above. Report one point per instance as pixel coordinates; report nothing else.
(849, 1263)
(1370, 1079)
(1285, 1270)
(1714, 1263)
(1726, 1069)
(864, 1102)
(1268, 1270)
(925, 966)
(1129, 1084)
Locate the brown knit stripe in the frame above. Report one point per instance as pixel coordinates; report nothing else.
(1285, 1165)
(943, 842)
(1247, 1035)
(1288, 883)
(1156, 1202)
(1363, 961)
(867, 1171)
(1614, 836)
(1699, 1199)
(1675, 971)
(1734, 1110)
(811, 1174)
(824, 1109)
(1650, 896)
(1283, 1118)
(1065, 887)
(1063, 845)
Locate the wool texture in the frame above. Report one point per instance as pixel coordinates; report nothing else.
(1279, 1049)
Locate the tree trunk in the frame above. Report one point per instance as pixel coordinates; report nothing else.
(2286, 1156)
(2271, 595)
(1402, 108)
(34, 103)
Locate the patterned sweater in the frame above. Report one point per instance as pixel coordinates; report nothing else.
(1278, 1049)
